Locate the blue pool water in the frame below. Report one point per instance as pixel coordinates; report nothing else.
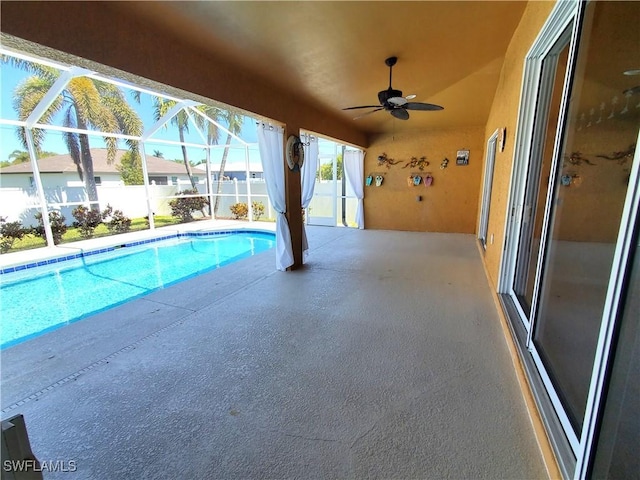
(46, 297)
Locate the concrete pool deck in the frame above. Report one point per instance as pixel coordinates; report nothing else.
(382, 358)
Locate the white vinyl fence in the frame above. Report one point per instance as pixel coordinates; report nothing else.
(20, 204)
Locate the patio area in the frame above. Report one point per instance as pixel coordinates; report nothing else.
(382, 358)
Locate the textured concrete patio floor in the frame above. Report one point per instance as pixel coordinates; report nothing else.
(382, 358)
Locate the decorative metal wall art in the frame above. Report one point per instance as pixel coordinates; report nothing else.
(386, 161)
(419, 163)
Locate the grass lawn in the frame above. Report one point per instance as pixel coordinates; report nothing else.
(73, 234)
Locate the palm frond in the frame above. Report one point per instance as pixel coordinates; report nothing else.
(214, 113)
(136, 95)
(85, 97)
(112, 148)
(234, 121)
(127, 119)
(42, 71)
(26, 96)
(161, 107)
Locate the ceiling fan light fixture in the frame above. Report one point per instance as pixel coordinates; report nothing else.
(398, 101)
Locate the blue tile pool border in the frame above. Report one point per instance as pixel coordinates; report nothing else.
(87, 253)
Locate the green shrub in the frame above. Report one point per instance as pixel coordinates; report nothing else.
(240, 211)
(9, 233)
(86, 220)
(257, 209)
(58, 226)
(183, 206)
(115, 220)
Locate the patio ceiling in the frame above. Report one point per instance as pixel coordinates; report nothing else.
(332, 53)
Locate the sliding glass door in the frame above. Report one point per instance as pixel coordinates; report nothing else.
(574, 174)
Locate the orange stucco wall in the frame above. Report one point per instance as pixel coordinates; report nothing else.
(450, 204)
(504, 114)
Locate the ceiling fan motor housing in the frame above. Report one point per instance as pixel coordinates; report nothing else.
(385, 95)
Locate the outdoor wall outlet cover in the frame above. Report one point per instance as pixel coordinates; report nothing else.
(418, 198)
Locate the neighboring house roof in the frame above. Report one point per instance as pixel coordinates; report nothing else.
(64, 164)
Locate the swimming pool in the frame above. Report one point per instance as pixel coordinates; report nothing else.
(36, 300)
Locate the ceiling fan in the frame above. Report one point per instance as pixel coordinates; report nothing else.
(392, 100)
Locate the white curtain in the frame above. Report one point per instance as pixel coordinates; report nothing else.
(354, 172)
(271, 145)
(308, 179)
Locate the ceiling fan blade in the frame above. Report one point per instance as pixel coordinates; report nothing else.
(422, 106)
(363, 106)
(368, 113)
(400, 113)
(397, 101)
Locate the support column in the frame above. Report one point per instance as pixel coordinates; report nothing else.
(294, 203)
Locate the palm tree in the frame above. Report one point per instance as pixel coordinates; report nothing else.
(85, 104)
(212, 130)
(158, 154)
(19, 156)
(234, 122)
(181, 121)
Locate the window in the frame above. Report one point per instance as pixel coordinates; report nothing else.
(158, 180)
(98, 180)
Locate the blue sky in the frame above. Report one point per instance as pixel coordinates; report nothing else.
(10, 77)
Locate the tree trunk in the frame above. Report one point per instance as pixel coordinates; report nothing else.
(223, 164)
(187, 165)
(87, 167)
